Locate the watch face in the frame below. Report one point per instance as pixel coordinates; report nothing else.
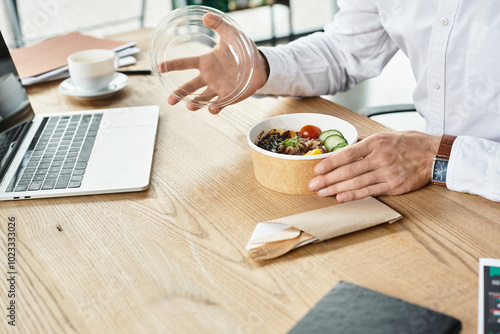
(439, 171)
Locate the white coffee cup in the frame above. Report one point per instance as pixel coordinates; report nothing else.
(94, 69)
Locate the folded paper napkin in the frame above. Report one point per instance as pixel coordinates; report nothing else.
(277, 237)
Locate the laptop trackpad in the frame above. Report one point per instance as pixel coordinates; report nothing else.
(121, 158)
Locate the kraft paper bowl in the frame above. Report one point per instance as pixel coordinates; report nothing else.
(290, 174)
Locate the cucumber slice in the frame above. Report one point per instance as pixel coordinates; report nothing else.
(333, 141)
(325, 134)
(339, 146)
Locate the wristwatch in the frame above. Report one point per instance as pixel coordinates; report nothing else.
(440, 163)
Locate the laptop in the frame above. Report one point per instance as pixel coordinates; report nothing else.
(70, 153)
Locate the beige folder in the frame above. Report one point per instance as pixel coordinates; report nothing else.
(52, 53)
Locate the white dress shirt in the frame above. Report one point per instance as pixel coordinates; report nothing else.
(454, 50)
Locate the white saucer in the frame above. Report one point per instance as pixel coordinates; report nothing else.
(119, 82)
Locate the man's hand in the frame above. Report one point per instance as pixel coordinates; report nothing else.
(218, 71)
(382, 164)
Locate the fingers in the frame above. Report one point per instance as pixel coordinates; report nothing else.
(345, 172)
(185, 90)
(212, 21)
(359, 187)
(343, 157)
(373, 191)
(203, 99)
(357, 183)
(172, 100)
(214, 109)
(217, 105)
(178, 64)
(382, 164)
(198, 102)
(350, 174)
(216, 23)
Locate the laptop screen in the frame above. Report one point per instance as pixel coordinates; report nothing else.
(15, 109)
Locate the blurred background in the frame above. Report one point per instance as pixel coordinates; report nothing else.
(266, 22)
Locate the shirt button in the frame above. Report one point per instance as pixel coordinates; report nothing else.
(435, 85)
(443, 21)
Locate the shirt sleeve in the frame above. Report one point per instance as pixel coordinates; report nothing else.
(474, 167)
(354, 47)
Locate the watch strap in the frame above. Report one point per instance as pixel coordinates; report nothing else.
(444, 150)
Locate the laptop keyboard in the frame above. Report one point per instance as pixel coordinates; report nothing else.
(58, 154)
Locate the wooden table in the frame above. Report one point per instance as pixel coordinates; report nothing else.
(172, 260)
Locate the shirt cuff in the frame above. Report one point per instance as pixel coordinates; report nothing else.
(474, 167)
(278, 83)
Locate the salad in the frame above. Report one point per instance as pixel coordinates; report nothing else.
(310, 140)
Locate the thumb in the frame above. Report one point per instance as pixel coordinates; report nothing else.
(217, 23)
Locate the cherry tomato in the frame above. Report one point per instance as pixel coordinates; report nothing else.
(310, 131)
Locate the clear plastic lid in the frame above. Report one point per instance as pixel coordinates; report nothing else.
(182, 34)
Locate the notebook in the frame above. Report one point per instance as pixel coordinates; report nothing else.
(72, 153)
(350, 308)
(52, 54)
